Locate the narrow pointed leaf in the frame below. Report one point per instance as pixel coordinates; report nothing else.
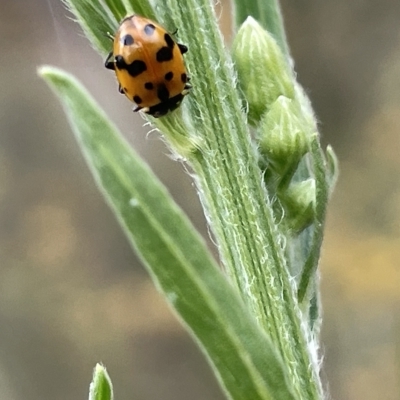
(101, 386)
(321, 201)
(246, 363)
(99, 21)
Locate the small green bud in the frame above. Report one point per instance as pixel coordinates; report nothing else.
(299, 201)
(284, 136)
(263, 71)
(101, 386)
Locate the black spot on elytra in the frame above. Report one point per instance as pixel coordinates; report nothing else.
(165, 107)
(149, 29)
(164, 54)
(137, 99)
(170, 42)
(149, 86)
(127, 40)
(184, 78)
(162, 93)
(169, 75)
(135, 68)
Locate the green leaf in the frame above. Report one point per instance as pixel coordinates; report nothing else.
(101, 386)
(95, 20)
(99, 21)
(321, 201)
(246, 363)
(230, 185)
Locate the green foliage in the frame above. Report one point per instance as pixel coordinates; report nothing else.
(101, 386)
(175, 255)
(264, 197)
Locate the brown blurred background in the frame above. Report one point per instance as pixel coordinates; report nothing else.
(71, 291)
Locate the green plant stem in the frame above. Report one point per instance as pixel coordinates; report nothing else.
(243, 357)
(230, 185)
(218, 146)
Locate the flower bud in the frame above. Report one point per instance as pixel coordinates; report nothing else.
(299, 202)
(263, 71)
(284, 135)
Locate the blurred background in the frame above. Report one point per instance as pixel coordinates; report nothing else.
(72, 293)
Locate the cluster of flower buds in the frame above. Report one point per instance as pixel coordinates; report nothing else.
(283, 121)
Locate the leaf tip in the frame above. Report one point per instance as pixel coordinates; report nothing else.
(55, 77)
(101, 386)
(45, 70)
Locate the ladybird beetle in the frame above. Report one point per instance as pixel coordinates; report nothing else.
(149, 66)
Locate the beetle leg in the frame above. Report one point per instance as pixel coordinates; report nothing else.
(110, 64)
(182, 48)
